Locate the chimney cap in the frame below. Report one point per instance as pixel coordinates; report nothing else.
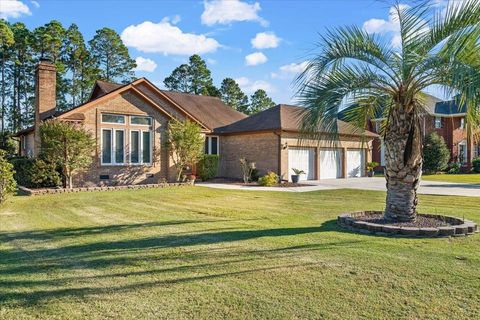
(46, 60)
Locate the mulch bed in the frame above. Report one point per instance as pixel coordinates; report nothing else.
(420, 222)
(255, 184)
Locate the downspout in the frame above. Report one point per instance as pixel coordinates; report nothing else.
(279, 150)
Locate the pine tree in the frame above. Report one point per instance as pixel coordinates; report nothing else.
(194, 77)
(111, 56)
(6, 42)
(79, 66)
(233, 96)
(179, 80)
(260, 101)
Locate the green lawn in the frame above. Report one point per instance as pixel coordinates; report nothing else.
(215, 254)
(470, 178)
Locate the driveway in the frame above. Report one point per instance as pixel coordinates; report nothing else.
(378, 184)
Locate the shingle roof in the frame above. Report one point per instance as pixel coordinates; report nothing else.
(102, 88)
(449, 107)
(210, 111)
(282, 117)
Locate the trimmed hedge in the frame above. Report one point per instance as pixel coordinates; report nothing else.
(476, 164)
(208, 166)
(35, 173)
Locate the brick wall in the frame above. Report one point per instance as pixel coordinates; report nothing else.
(127, 103)
(261, 148)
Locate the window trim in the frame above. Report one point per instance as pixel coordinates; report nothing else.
(140, 147)
(464, 144)
(462, 123)
(137, 124)
(115, 147)
(209, 139)
(113, 114)
(113, 144)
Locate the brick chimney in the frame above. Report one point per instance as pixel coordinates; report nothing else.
(45, 96)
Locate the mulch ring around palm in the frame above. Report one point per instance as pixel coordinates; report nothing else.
(425, 225)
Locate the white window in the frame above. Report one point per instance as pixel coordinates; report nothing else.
(462, 123)
(113, 146)
(113, 118)
(140, 147)
(438, 122)
(141, 120)
(211, 145)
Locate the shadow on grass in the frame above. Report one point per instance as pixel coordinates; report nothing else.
(35, 275)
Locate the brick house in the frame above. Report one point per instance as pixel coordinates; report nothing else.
(448, 119)
(129, 124)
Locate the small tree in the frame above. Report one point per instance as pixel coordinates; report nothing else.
(7, 182)
(185, 144)
(247, 169)
(68, 145)
(435, 154)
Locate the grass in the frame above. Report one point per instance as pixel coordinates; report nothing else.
(184, 253)
(469, 178)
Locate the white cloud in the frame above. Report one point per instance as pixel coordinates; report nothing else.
(392, 26)
(163, 37)
(211, 61)
(35, 3)
(255, 58)
(265, 40)
(249, 86)
(229, 11)
(145, 64)
(289, 70)
(13, 9)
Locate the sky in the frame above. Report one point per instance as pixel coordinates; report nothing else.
(260, 44)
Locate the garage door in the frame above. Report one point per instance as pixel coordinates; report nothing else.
(303, 159)
(355, 163)
(330, 164)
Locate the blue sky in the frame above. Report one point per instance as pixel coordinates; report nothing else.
(261, 44)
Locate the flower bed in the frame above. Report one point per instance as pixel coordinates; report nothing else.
(36, 192)
(427, 225)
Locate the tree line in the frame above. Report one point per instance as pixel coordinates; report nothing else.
(194, 77)
(80, 63)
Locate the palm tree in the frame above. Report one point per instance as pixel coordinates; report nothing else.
(363, 71)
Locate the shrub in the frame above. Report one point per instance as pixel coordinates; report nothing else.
(435, 154)
(7, 182)
(270, 179)
(255, 175)
(247, 168)
(454, 168)
(208, 166)
(476, 164)
(35, 173)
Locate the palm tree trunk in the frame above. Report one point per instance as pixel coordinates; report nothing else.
(403, 164)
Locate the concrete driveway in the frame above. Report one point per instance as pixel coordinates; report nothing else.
(426, 187)
(378, 184)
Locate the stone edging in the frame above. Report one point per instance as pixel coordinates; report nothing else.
(36, 192)
(458, 227)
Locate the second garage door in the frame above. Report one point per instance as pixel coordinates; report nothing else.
(302, 159)
(330, 164)
(355, 163)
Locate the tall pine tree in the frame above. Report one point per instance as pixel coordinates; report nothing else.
(6, 43)
(260, 101)
(111, 56)
(233, 96)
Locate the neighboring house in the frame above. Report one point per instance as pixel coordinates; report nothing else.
(129, 123)
(446, 118)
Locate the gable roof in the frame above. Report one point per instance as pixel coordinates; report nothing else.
(450, 107)
(211, 111)
(101, 88)
(285, 118)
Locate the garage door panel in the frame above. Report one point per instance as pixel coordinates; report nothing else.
(330, 164)
(303, 159)
(355, 163)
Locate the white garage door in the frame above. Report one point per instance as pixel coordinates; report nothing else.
(303, 159)
(355, 163)
(330, 164)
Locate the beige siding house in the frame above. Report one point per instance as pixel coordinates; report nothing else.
(129, 124)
